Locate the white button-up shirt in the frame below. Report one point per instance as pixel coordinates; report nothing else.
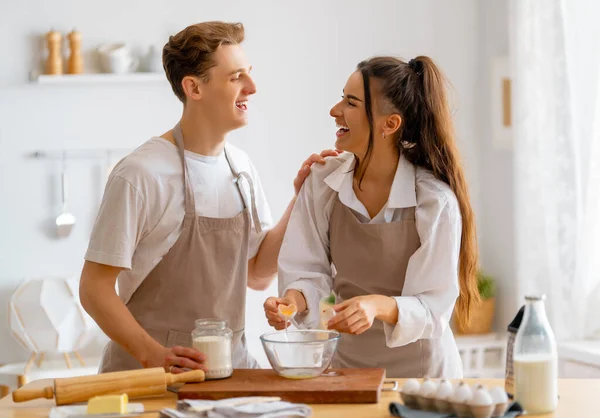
(431, 284)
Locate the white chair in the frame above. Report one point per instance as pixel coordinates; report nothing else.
(483, 355)
(15, 375)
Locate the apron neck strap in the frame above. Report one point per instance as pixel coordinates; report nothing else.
(190, 204)
(238, 176)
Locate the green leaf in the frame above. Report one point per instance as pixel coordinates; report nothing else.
(486, 285)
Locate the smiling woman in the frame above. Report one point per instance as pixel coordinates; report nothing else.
(393, 217)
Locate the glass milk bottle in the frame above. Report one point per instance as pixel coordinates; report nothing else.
(536, 360)
(213, 338)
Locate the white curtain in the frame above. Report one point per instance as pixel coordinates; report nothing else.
(555, 50)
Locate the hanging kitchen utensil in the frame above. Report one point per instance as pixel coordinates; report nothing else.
(65, 221)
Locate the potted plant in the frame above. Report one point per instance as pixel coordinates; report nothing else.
(482, 315)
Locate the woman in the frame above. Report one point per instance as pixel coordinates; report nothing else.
(387, 226)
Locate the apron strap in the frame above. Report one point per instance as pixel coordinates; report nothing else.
(238, 176)
(190, 203)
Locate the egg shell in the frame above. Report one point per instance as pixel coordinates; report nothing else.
(411, 387)
(328, 314)
(428, 388)
(498, 395)
(462, 393)
(481, 397)
(444, 390)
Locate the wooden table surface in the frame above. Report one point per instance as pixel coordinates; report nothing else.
(579, 398)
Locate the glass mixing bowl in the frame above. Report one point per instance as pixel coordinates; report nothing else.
(300, 354)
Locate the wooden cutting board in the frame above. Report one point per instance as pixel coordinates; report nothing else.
(349, 386)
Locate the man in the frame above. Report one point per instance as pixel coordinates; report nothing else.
(184, 223)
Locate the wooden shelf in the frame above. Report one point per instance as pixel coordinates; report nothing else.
(98, 78)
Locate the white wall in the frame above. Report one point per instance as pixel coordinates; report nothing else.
(302, 53)
(496, 216)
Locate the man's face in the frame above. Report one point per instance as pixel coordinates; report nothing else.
(225, 95)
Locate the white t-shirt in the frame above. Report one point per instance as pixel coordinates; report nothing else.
(142, 210)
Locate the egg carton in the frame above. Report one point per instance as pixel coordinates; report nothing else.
(446, 398)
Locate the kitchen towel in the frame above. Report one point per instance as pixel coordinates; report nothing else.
(247, 407)
(399, 410)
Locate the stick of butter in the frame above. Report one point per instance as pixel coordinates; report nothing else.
(108, 404)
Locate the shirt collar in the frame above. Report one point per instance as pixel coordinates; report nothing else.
(403, 193)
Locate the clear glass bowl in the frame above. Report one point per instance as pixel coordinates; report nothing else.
(300, 354)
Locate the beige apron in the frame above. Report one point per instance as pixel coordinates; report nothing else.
(204, 275)
(372, 259)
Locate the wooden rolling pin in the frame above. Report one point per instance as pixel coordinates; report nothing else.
(135, 383)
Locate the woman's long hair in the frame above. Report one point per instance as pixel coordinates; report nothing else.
(417, 92)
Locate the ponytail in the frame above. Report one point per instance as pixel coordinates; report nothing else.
(417, 91)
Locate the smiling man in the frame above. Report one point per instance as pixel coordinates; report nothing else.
(184, 224)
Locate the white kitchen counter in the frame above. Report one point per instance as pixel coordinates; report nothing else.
(579, 359)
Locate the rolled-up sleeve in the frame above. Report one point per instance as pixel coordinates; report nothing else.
(431, 284)
(304, 263)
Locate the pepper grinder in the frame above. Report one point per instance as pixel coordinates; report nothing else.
(54, 64)
(75, 63)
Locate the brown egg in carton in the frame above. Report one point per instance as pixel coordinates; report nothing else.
(444, 397)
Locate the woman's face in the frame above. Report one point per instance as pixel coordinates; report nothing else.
(351, 117)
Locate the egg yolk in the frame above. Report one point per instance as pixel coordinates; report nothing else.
(287, 310)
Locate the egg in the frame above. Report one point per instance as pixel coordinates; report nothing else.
(498, 395)
(326, 315)
(462, 393)
(287, 311)
(428, 388)
(481, 397)
(411, 387)
(444, 390)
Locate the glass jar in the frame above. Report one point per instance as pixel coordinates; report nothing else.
(536, 360)
(213, 338)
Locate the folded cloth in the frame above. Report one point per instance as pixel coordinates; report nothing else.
(206, 405)
(173, 413)
(248, 407)
(399, 410)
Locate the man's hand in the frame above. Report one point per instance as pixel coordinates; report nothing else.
(176, 359)
(305, 169)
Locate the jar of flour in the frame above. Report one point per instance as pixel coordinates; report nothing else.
(213, 338)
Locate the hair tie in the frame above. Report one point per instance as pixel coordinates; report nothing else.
(414, 65)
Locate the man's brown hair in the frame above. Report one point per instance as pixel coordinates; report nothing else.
(190, 51)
